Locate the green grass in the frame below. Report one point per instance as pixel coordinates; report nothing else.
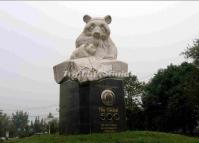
(123, 137)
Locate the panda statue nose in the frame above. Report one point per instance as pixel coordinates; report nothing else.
(96, 35)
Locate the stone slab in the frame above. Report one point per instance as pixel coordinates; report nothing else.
(72, 69)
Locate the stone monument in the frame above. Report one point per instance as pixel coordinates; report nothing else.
(91, 87)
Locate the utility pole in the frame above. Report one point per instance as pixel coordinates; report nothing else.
(49, 128)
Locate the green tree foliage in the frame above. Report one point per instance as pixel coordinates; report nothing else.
(132, 88)
(39, 126)
(20, 121)
(134, 111)
(4, 124)
(171, 99)
(192, 52)
(50, 115)
(18, 125)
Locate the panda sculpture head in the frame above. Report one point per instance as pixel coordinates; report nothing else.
(97, 27)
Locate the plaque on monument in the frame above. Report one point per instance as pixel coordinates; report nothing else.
(91, 87)
(107, 112)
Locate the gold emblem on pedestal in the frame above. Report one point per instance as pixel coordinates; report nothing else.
(108, 97)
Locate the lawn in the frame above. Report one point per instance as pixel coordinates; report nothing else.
(123, 137)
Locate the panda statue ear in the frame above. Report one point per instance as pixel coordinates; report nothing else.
(86, 18)
(108, 19)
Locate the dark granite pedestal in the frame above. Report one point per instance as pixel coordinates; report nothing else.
(91, 107)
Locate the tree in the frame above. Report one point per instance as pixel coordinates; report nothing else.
(132, 88)
(134, 111)
(4, 123)
(20, 121)
(192, 52)
(39, 126)
(171, 99)
(50, 115)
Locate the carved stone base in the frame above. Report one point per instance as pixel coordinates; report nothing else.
(89, 69)
(91, 107)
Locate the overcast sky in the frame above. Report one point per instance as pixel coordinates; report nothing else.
(35, 35)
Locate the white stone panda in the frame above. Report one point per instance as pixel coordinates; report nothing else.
(95, 39)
